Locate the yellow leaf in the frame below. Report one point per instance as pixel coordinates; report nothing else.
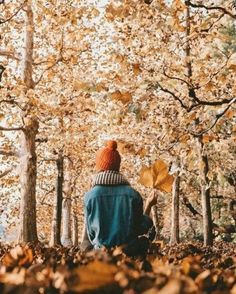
(157, 176)
(166, 185)
(146, 177)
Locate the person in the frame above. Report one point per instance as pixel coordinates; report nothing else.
(114, 213)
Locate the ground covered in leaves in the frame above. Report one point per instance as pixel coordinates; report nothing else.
(186, 268)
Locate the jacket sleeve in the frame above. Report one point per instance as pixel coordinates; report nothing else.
(88, 220)
(142, 222)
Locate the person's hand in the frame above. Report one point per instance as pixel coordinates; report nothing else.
(152, 198)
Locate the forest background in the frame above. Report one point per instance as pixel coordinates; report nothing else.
(157, 76)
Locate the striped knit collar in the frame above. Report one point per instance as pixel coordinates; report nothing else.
(109, 177)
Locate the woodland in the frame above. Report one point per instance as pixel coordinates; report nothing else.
(158, 77)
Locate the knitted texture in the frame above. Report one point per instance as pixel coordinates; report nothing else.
(109, 177)
(108, 158)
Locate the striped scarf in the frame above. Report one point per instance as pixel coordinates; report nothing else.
(109, 177)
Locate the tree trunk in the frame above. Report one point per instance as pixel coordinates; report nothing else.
(28, 230)
(28, 160)
(66, 239)
(57, 212)
(75, 230)
(174, 237)
(66, 221)
(205, 197)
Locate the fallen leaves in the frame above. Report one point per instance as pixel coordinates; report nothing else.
(156, 176)
(181, 269)
(92, 276)
(18, 256)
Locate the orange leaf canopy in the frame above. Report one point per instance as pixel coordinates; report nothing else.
(156, 176)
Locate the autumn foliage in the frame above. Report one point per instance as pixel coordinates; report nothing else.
(159, 78)
(183, 269)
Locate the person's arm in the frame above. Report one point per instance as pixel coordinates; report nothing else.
(151, 200)
(85, 242)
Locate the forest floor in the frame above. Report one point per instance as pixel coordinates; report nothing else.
(184, 268)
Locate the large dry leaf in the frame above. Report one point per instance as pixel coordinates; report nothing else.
(95, 275)
(157, 176)
(146, 177)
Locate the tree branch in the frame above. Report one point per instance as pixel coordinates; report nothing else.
(60, 58)
(47, 69)
(14, 14)
(6, 172)
(11, 129)
(12, 102)
(218, 116)
(219, 8)
(176, 78)
(173, 95)
(193, 95)
(9, 54)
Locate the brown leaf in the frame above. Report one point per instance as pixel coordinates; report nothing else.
(136, 69)
(125, 97)
(208, 138)
(92, 276)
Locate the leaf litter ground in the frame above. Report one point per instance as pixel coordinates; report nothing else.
(184, 268)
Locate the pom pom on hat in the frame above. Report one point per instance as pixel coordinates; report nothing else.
(108, 158)
(111, 145)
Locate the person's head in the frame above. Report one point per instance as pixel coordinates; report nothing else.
(108, 158)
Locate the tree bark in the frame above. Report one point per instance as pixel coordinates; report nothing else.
(29, 45)
(205, 197)
(28, 159)
(57, 211)
(174, 236)
(75, 230)
(28, 229)
(66, 208)
(66, 221)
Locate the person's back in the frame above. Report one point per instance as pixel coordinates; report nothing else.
(113, 214)
(113, 209)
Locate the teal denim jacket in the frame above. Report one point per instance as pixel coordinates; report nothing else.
(114, 215)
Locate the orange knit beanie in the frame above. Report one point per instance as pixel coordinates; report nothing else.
(108, 158)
